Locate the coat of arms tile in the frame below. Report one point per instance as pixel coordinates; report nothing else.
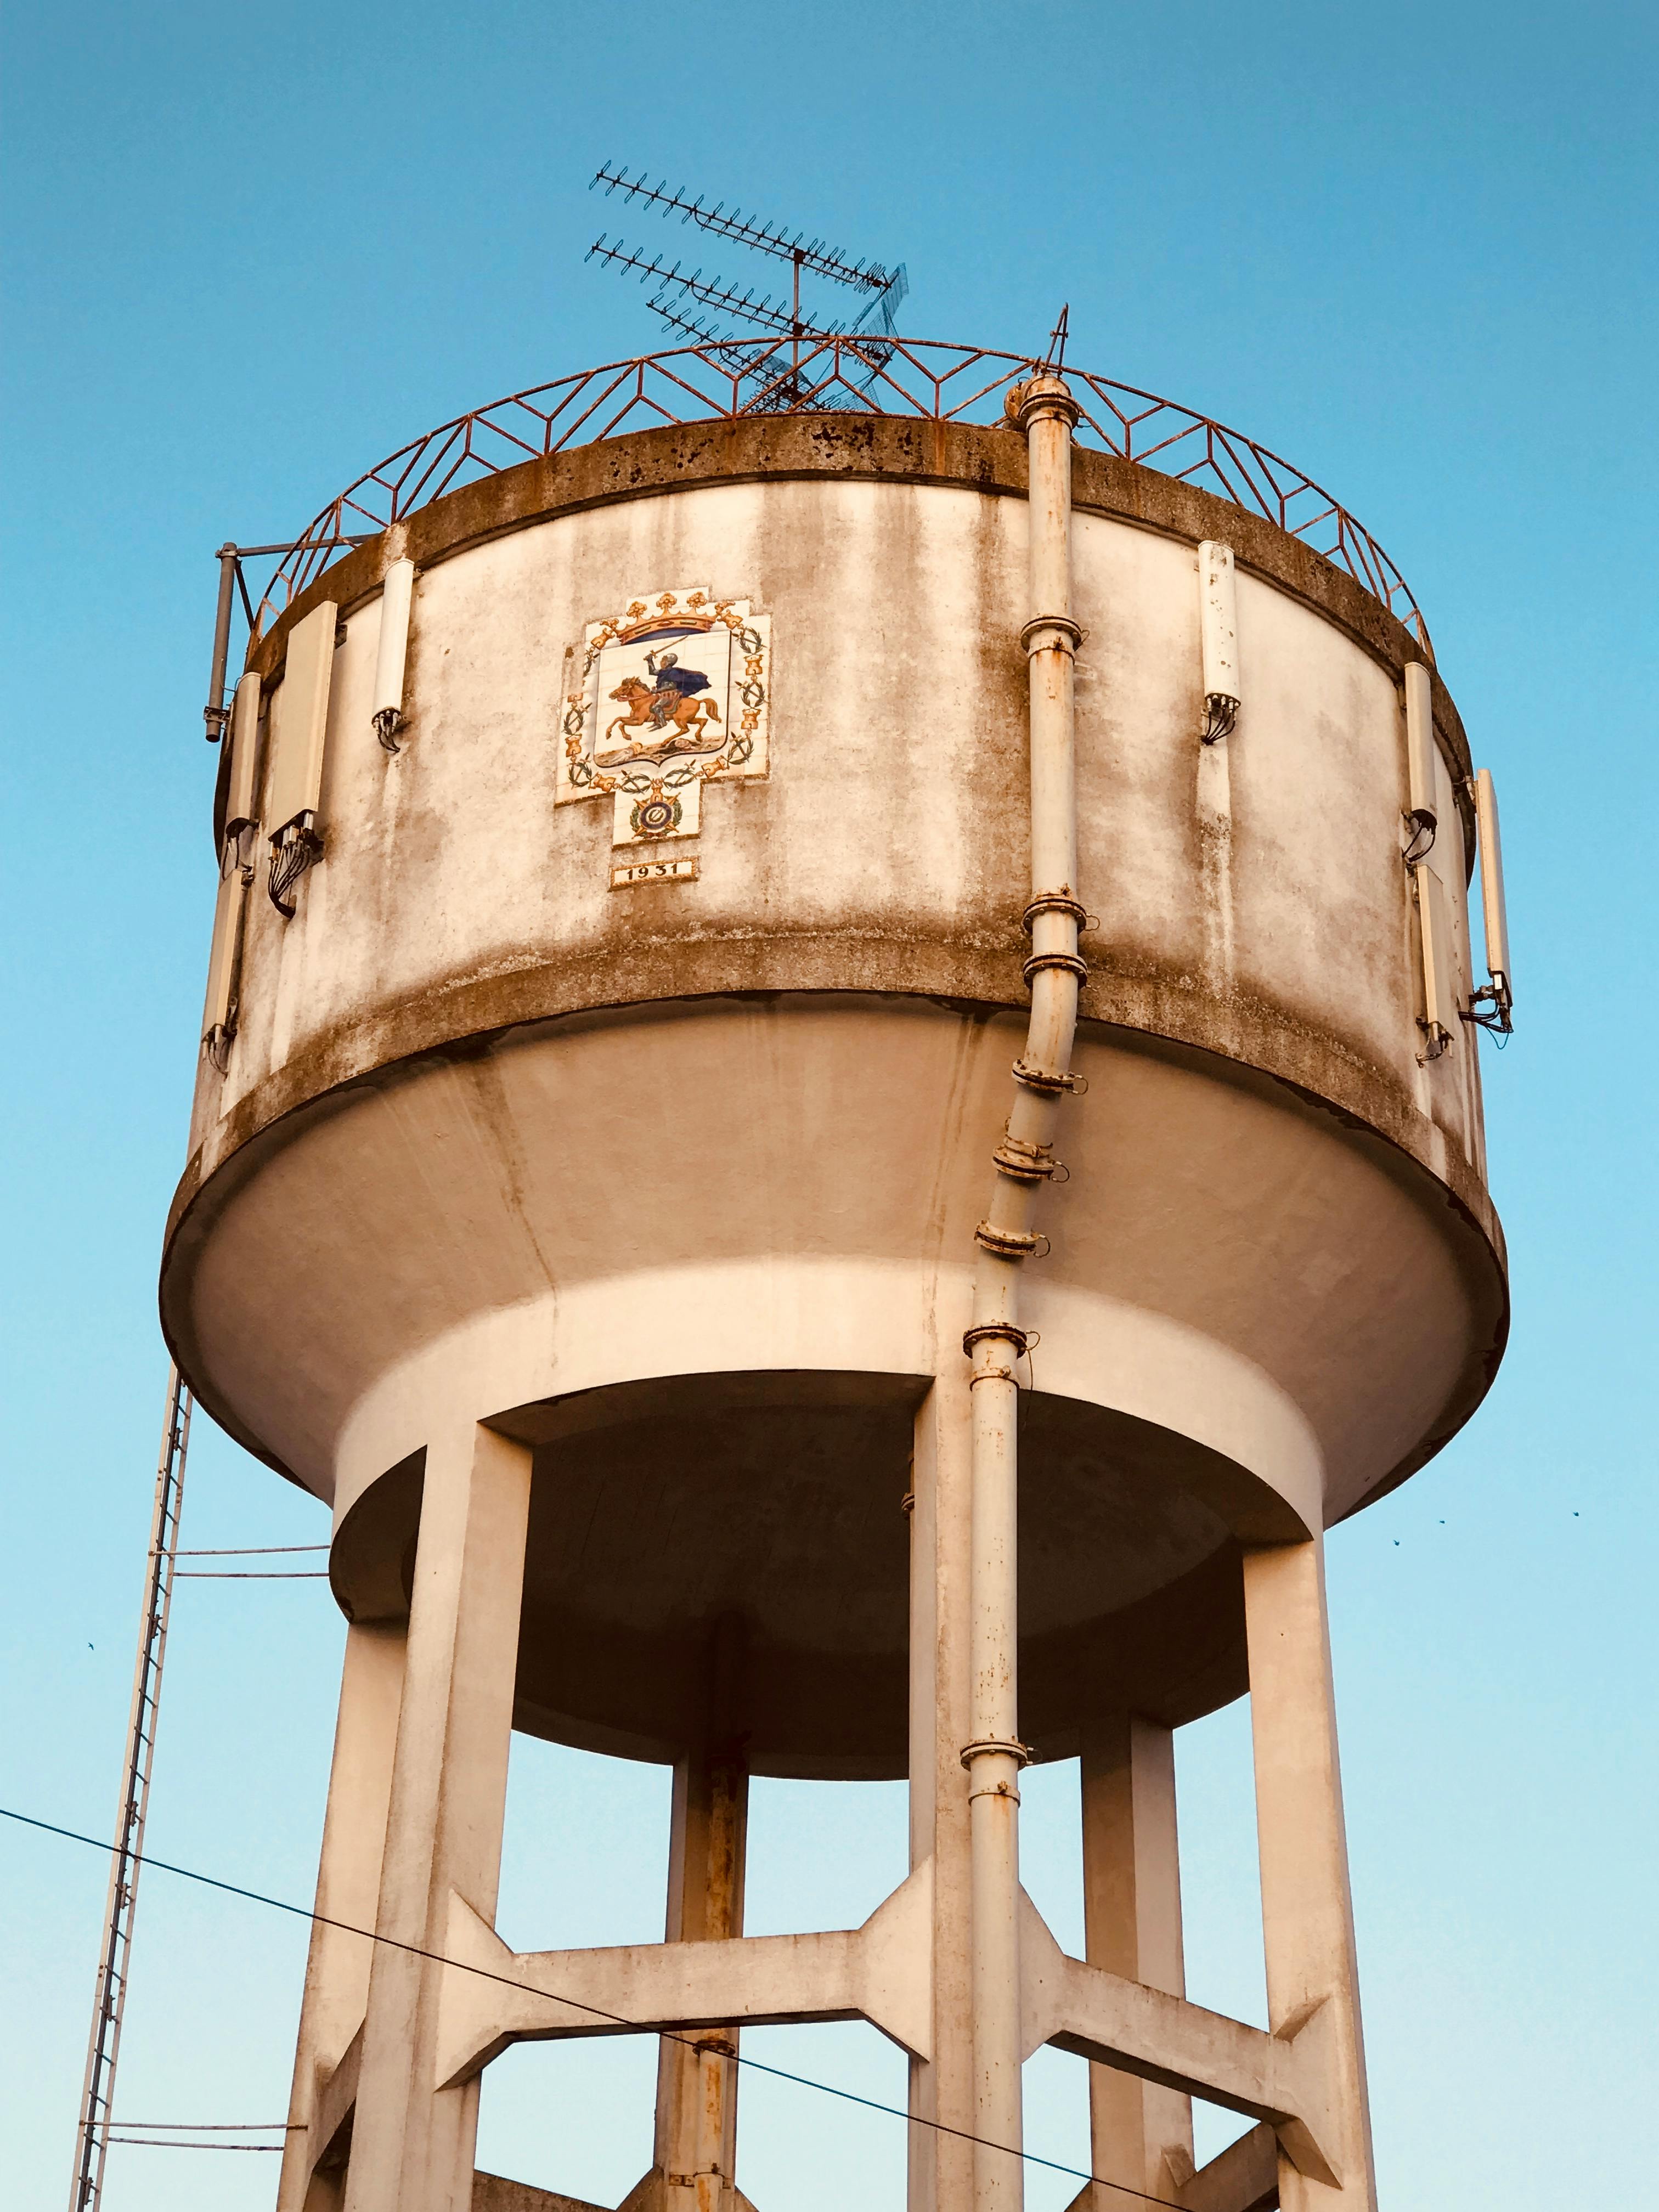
(666, 696)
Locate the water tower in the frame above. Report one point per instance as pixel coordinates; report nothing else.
(839, 1115)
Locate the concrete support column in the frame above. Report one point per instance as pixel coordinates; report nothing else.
(941, 1570)
(1306, 1916)
(694, 2165)
(1142, 2135)
(412, 2145)
(348, 1889)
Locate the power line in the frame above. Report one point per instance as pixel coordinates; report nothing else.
(251, 1574)
(164, 2142)
(596, 2012)
(247, 1551)
(215, 2127)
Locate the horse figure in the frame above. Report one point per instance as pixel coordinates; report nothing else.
(669, 710)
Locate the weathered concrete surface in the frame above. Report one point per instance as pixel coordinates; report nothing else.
(619, 1245)
(479, 1104)
(348, 1890)
(413, 2136)
(1141, 2132)
(493, 2192)
(1307, 1911)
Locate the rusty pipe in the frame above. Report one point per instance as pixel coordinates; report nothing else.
(1024, 1160)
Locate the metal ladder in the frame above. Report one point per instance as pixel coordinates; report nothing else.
(104, 2043)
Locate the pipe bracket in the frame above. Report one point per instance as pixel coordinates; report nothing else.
(1003, 1331)
(1057, 903)
(1051, 1087)
(1066, 637)
(1010, 1746)
(1011, 1243)
(1068, 961)
(1023, 1163)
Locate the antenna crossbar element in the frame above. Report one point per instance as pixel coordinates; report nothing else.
(110, 1995)
(812, 255)
(767, 313)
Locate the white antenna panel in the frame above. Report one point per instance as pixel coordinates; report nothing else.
(395, 600)
(1440, 1014)
(300, 719)
(242, 809)
(1494, 912)
(1219, 624)
(222, 961)
(1425, 799)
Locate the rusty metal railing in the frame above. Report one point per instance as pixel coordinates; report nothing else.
(921, 379)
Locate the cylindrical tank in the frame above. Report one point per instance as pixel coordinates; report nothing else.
(617, 978)
(678, 1178)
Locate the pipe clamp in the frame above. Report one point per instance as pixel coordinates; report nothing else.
(1051, 1087)
(1068, 635)
(1005, 1333)
(1011, 1243)
(1068, 961)
(1020, 1752)
(1057, 902)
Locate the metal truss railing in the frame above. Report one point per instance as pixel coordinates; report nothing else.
(921, 379)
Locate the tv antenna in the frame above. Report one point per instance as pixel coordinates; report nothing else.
(677, 294)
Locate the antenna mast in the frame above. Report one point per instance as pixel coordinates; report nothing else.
(110, 1995)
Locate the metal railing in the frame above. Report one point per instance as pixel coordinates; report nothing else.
(921, 379)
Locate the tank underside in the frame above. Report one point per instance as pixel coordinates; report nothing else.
(707, 1258)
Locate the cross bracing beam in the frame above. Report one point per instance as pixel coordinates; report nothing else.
(1286, 2079)
(879, 1973)
(882, 1972)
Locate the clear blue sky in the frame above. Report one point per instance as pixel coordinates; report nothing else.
(249, 251)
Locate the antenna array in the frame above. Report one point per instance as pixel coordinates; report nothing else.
(812, 255)
(768, 364)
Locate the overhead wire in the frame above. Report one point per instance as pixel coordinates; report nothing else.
(596, 2012)
(251, 1574)
(165, 2143)
(159, 2135)
(246, 1550)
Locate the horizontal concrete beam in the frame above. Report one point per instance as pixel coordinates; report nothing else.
(1283, 2079)
(1243, 2178)
(493, 1997)
(337, 2097)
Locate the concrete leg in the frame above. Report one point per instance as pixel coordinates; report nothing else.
(412, 2146)
(348, 1888)
(1306, 1916)
(1142, 2135)
(941, 1567)
(694, 2163)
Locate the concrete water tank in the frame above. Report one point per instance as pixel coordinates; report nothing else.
(639, 865)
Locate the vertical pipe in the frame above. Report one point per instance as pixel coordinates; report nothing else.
(213, 712)
(1044, 409)
(940, 2176)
